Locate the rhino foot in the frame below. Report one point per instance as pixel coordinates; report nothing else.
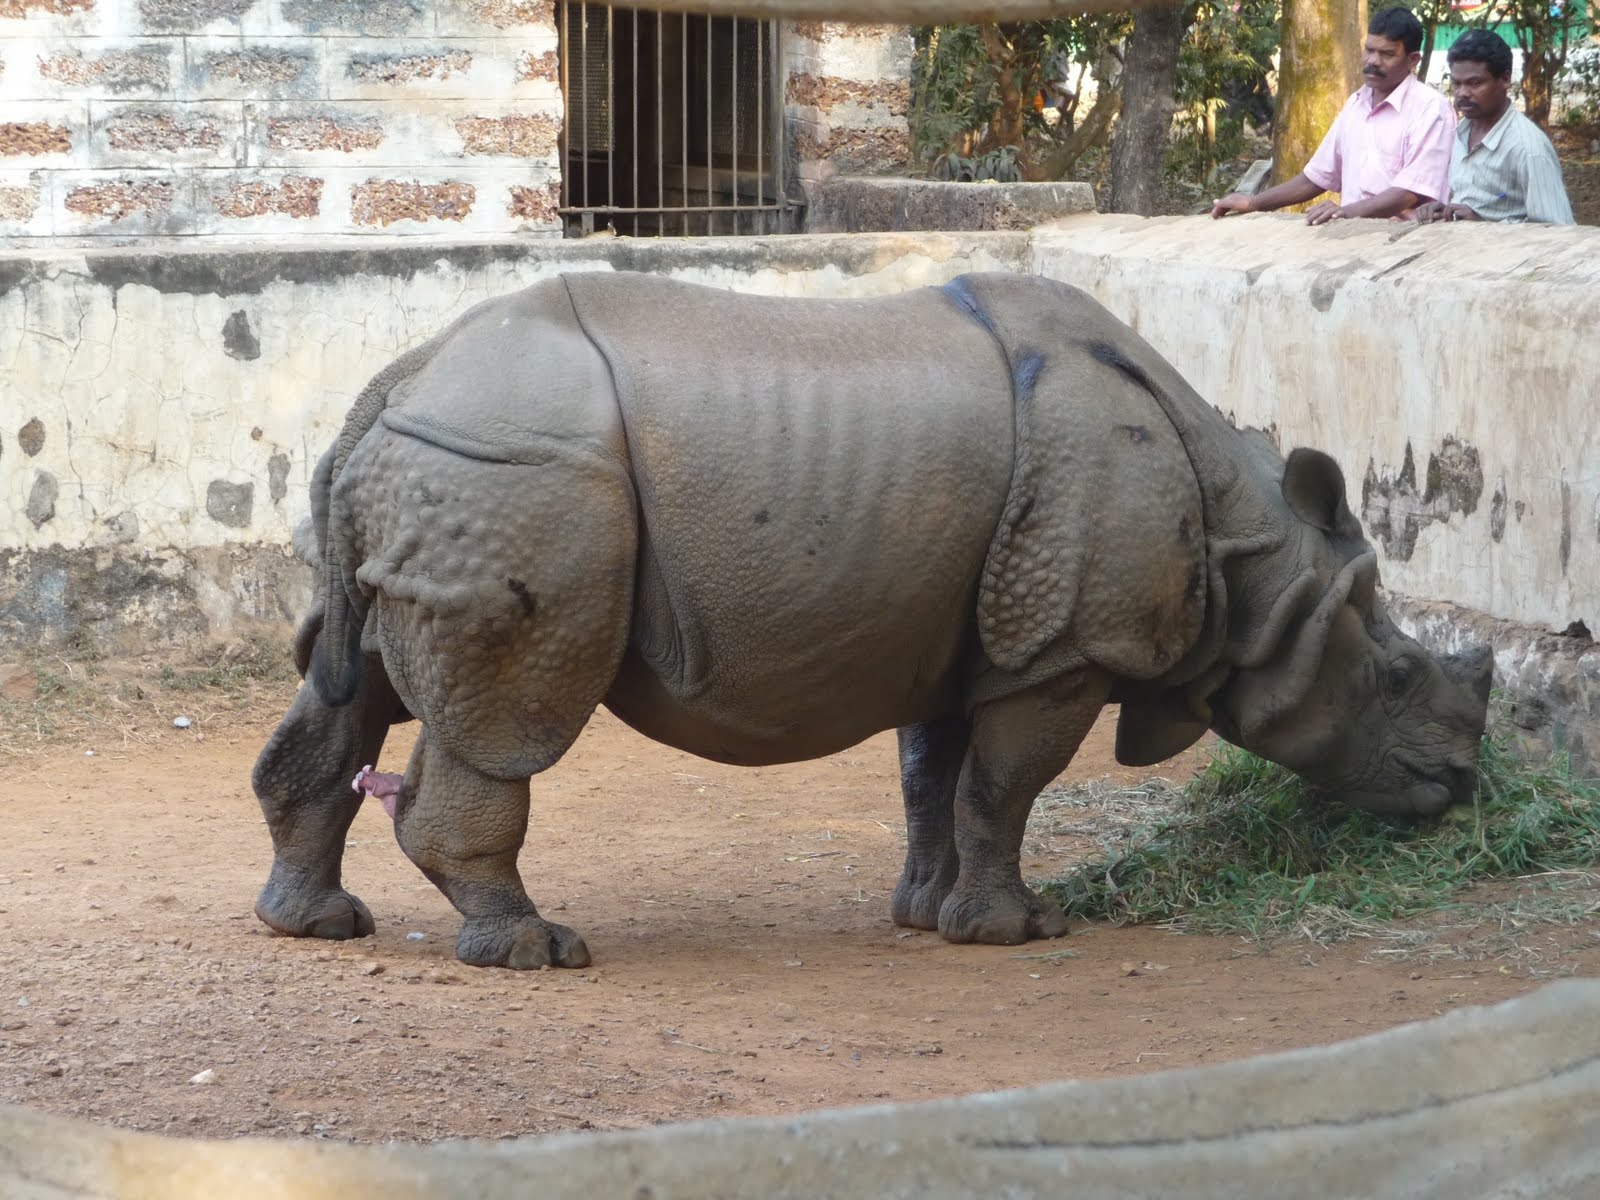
(916, 905)
(1000, 920)
(333, 913)
(522, 943)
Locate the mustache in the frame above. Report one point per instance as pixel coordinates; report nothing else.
(1372, 70)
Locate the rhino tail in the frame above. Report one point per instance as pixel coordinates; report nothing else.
(335, 669)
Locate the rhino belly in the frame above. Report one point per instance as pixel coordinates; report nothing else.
(808, 567)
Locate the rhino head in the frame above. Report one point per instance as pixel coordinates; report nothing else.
(1317, 678)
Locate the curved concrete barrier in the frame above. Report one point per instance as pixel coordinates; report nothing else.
(1486, 1102)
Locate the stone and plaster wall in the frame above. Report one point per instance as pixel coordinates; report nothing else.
(1490, 1103)
(269, 119)
(1451, 371)
(846, 96)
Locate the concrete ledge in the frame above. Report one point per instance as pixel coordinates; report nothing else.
(1482, 1103)
(861, 204)
(1550, 682)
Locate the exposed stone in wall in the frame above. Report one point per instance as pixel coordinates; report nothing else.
(178, 16)
(385, 201)
(403, 68)
(115, 70)
(18, 204)
(524, 136)
(372, 18)
(538, 205)
(120, 199)
(322, 133)
(892, 95)
(294, 196)
(160, 131)
(61, 8)
(42, 498)
(229, 503)
(869, 151)
(258, 65)
(545, 65)
(508, 14)
(34, 137)
(31, 437)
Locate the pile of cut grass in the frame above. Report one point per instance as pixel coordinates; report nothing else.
(1251, 850)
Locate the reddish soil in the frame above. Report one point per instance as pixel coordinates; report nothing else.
(744, 959)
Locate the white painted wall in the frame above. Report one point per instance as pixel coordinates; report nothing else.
(1359, 337)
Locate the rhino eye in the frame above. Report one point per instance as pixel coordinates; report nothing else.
(1400, 675)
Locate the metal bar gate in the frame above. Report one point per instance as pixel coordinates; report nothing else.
(674, 124)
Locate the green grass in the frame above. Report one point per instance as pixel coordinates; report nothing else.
(1251, 850)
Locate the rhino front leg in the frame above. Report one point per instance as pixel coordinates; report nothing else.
(302, 780)
(463, 829)
(930, 765)
(1019, 744)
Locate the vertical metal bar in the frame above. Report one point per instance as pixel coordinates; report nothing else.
(611, 108)
(583, 25)
(661, 135)
(683, 120)
(761, 130)
(710, 134)
(733, 25)
(633, 91)
(564, 48)
(780, 157)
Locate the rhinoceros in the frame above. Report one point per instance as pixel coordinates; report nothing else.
(762, 530)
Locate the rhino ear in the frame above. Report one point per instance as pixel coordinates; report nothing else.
(1313, 485)
(1153, 729)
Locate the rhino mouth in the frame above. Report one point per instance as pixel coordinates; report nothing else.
(1423, 792)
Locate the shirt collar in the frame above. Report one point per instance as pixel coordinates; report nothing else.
(1394, 98)
(1491, 140)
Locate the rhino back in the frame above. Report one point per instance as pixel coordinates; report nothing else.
(818, 482)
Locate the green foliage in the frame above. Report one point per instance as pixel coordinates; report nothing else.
(997, 166)
(1252, 851)
(964, 76)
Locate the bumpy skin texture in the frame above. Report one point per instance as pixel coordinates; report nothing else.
(762, 530)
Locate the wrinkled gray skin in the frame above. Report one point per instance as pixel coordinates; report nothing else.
(761, 530)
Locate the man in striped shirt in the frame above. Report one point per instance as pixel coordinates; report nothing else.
(1502, 167)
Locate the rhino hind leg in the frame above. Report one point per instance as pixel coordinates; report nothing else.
(930, 766)
(463, 829)
(302, 780)
(1019, 744)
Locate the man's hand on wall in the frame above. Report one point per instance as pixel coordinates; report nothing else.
(1436, 210)
(1323, 212)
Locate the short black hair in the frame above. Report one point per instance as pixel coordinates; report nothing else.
(1398, 24)
(1481, 46)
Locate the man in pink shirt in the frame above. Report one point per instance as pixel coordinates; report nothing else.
(1389, 148)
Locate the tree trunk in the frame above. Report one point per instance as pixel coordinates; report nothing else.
(1319, 66)
(1140, 144)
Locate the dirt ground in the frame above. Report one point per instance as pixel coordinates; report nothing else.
(744, 959)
